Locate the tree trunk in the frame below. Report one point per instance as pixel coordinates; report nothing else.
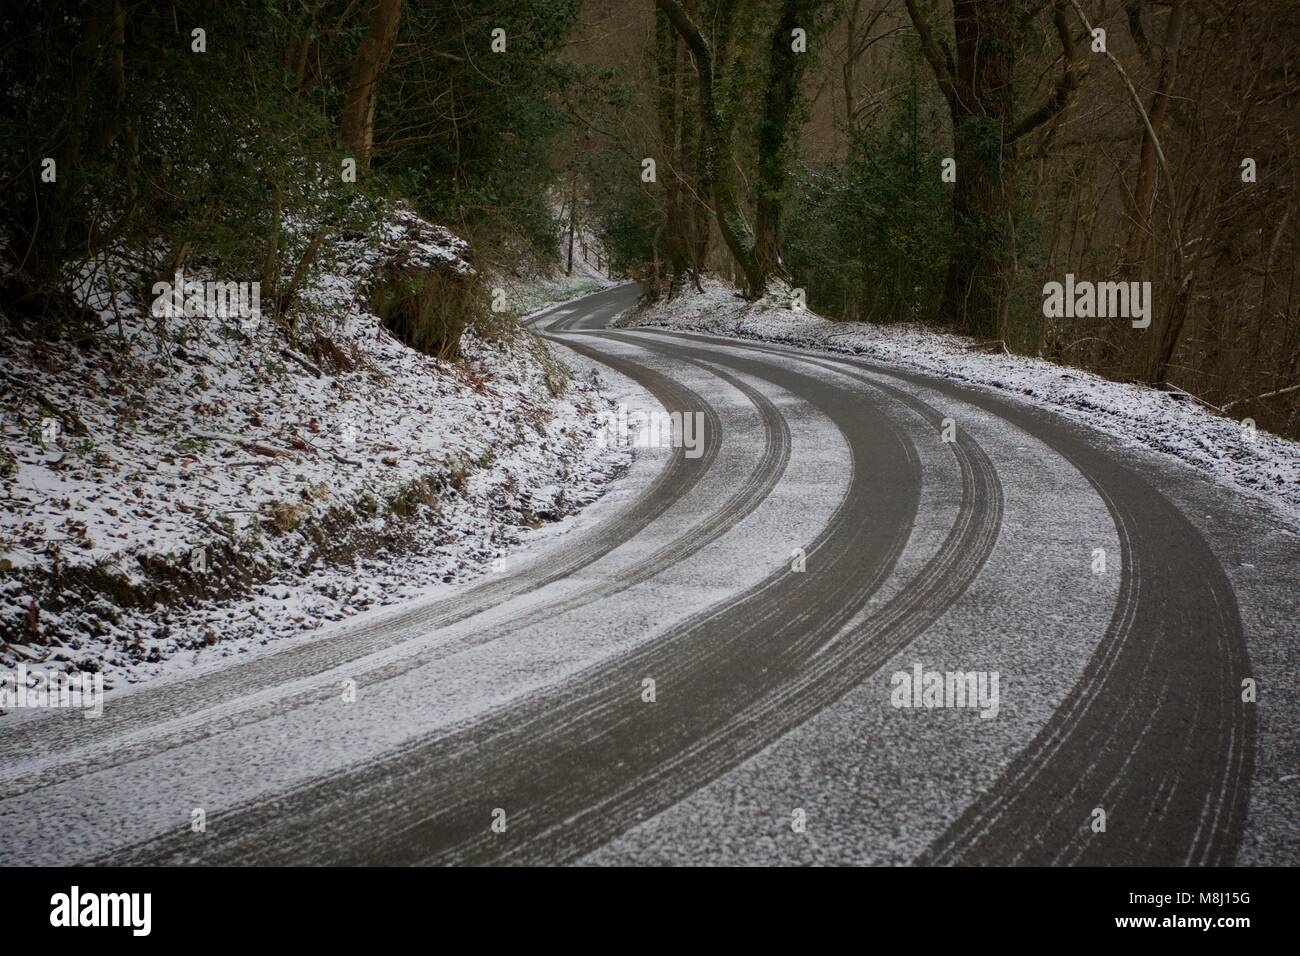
(271, 261)
(1145, 187)
(978, 88)
(785, 70)
(573, 208)
(976, 283)
(362, 95)
(695, 210)
(677, 222)
(716, 177)
(1170, 332)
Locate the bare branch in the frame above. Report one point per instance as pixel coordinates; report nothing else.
(940, 62)
(1065, 87)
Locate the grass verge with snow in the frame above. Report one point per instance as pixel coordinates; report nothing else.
(176, 483)
(1231, 451)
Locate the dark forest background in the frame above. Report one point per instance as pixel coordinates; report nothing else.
(800, 141)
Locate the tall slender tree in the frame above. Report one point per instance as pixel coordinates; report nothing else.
(363, 86)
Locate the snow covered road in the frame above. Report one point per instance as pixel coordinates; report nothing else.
(704, 667)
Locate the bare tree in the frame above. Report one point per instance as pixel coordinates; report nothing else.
(1167, 70)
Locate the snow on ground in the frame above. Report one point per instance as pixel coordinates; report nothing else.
(528, 294)
(1257, 462)
(185, 484)
(525, 288)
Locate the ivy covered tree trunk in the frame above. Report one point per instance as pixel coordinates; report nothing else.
(975, 289)
(978, 272)
(696, 209)
(786, 66)
(977, 81)
(716, 175)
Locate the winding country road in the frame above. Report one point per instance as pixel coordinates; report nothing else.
(512, 721)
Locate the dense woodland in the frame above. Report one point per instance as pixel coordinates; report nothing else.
(899, 160)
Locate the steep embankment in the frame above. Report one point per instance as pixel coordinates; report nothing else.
(178, 482)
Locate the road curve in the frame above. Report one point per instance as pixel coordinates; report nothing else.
(704, 671)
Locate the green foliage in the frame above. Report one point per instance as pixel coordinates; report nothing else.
(624, 213)
(868, 236)
(775, 142)
(474, 133)
(171, 145)
(219, 158)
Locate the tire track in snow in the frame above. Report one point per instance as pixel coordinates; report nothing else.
(593, 734)
(751, 492)
(877, 783)
(183, 699)
(1155, 733)
(307, 736)
(821, 672)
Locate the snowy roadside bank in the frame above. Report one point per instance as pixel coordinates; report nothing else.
(1231, 451)
(181, 487)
